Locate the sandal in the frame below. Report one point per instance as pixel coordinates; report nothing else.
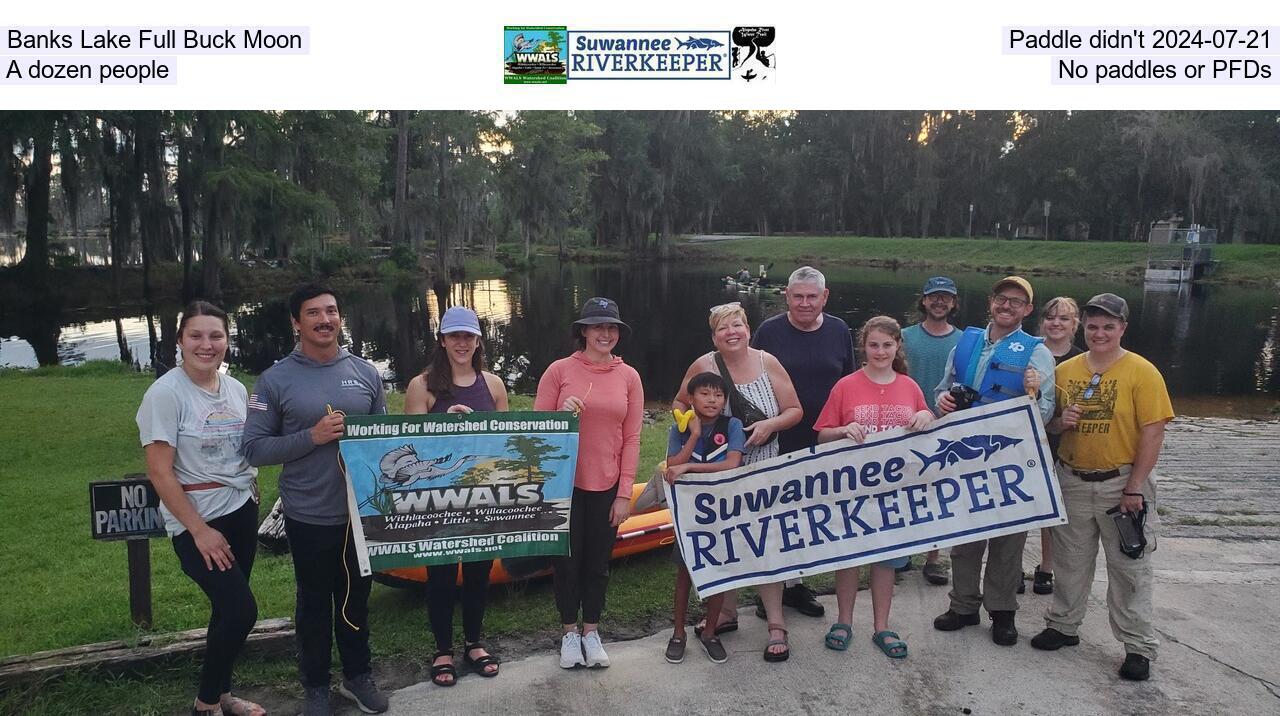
(834, 641)
(781, 655)
(439, 671)
(481, 664)
(237, 706)
(721, 628)
(675, 650)
(891, 644)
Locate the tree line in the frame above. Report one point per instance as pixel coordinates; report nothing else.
(199, 188)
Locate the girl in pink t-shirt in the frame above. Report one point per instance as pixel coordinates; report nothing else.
(879, 396)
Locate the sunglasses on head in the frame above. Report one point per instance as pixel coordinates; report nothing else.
(732, 305)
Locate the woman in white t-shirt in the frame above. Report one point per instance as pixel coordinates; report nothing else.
(190, 423)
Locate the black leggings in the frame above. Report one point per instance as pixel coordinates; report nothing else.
(332, 600)
(442, 583)
(234, 609)
(583, 577)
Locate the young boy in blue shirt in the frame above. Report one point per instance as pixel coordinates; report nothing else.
(711, 442)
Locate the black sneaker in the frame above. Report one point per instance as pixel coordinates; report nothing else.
(675, 651)
(1004, 632)
(1051, 640)
(952, 620)
(803, 600)
(1136, 667)
(1043, 583)
(364, 693)
(1022, 584)
(715, 650)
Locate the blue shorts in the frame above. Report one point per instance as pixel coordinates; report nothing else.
(896, 563)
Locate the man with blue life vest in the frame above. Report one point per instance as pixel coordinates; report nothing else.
(989, 365)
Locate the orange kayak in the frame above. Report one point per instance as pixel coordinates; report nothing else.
(640, 533)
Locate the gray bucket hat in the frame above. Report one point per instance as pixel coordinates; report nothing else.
(602, 310)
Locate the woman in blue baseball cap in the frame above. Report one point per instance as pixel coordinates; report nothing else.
(456, 382)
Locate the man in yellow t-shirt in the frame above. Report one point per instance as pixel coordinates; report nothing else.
(1113, 406)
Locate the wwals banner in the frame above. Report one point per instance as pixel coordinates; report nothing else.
(976, 474)
(435, 489)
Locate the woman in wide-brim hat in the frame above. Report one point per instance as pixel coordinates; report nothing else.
(608, 399)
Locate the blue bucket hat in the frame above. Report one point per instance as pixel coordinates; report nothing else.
(939, 284)
(460, 319)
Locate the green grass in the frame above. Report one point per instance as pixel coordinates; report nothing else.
(1238, 263)
(67, 426)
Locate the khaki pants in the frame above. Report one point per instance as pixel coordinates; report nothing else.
(997, 589)
(1075, 551)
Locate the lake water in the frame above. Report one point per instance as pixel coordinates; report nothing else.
(1216, 345)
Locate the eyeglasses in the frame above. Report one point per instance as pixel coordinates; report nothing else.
(1001, 299)
(1093, 385)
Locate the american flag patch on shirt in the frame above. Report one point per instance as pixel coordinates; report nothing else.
(255, 403)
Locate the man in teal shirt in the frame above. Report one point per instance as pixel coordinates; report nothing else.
(928, 344)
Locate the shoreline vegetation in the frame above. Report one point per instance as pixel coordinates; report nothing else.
(1245, 264)
(1255, 265)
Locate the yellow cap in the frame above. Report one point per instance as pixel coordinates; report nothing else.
(1018, 281)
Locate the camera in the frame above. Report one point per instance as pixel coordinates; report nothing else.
(1129, 526)
(964, 396)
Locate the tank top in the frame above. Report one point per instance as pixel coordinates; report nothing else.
(1056, 440)
(759, 392)
(475, 396)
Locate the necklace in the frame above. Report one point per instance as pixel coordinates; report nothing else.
(881, 386)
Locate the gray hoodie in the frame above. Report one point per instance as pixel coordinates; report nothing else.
(287, 401)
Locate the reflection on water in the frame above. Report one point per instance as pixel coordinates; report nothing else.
(1208, 341)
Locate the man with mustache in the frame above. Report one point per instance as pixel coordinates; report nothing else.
(295, 418)
(995, 363)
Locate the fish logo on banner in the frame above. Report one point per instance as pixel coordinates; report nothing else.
(950, 452)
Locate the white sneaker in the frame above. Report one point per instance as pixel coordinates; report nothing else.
(571, 650)
(594, 650)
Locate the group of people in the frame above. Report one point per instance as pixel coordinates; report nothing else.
(794, 383)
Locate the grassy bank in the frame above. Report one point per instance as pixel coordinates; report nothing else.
(1254, 264)
(66, 427)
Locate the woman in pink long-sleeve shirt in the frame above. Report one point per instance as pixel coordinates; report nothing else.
(609, 399)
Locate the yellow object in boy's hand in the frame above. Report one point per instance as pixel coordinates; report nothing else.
(682, 419)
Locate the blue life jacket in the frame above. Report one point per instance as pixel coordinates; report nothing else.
(1003, 379)
(707, 449)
